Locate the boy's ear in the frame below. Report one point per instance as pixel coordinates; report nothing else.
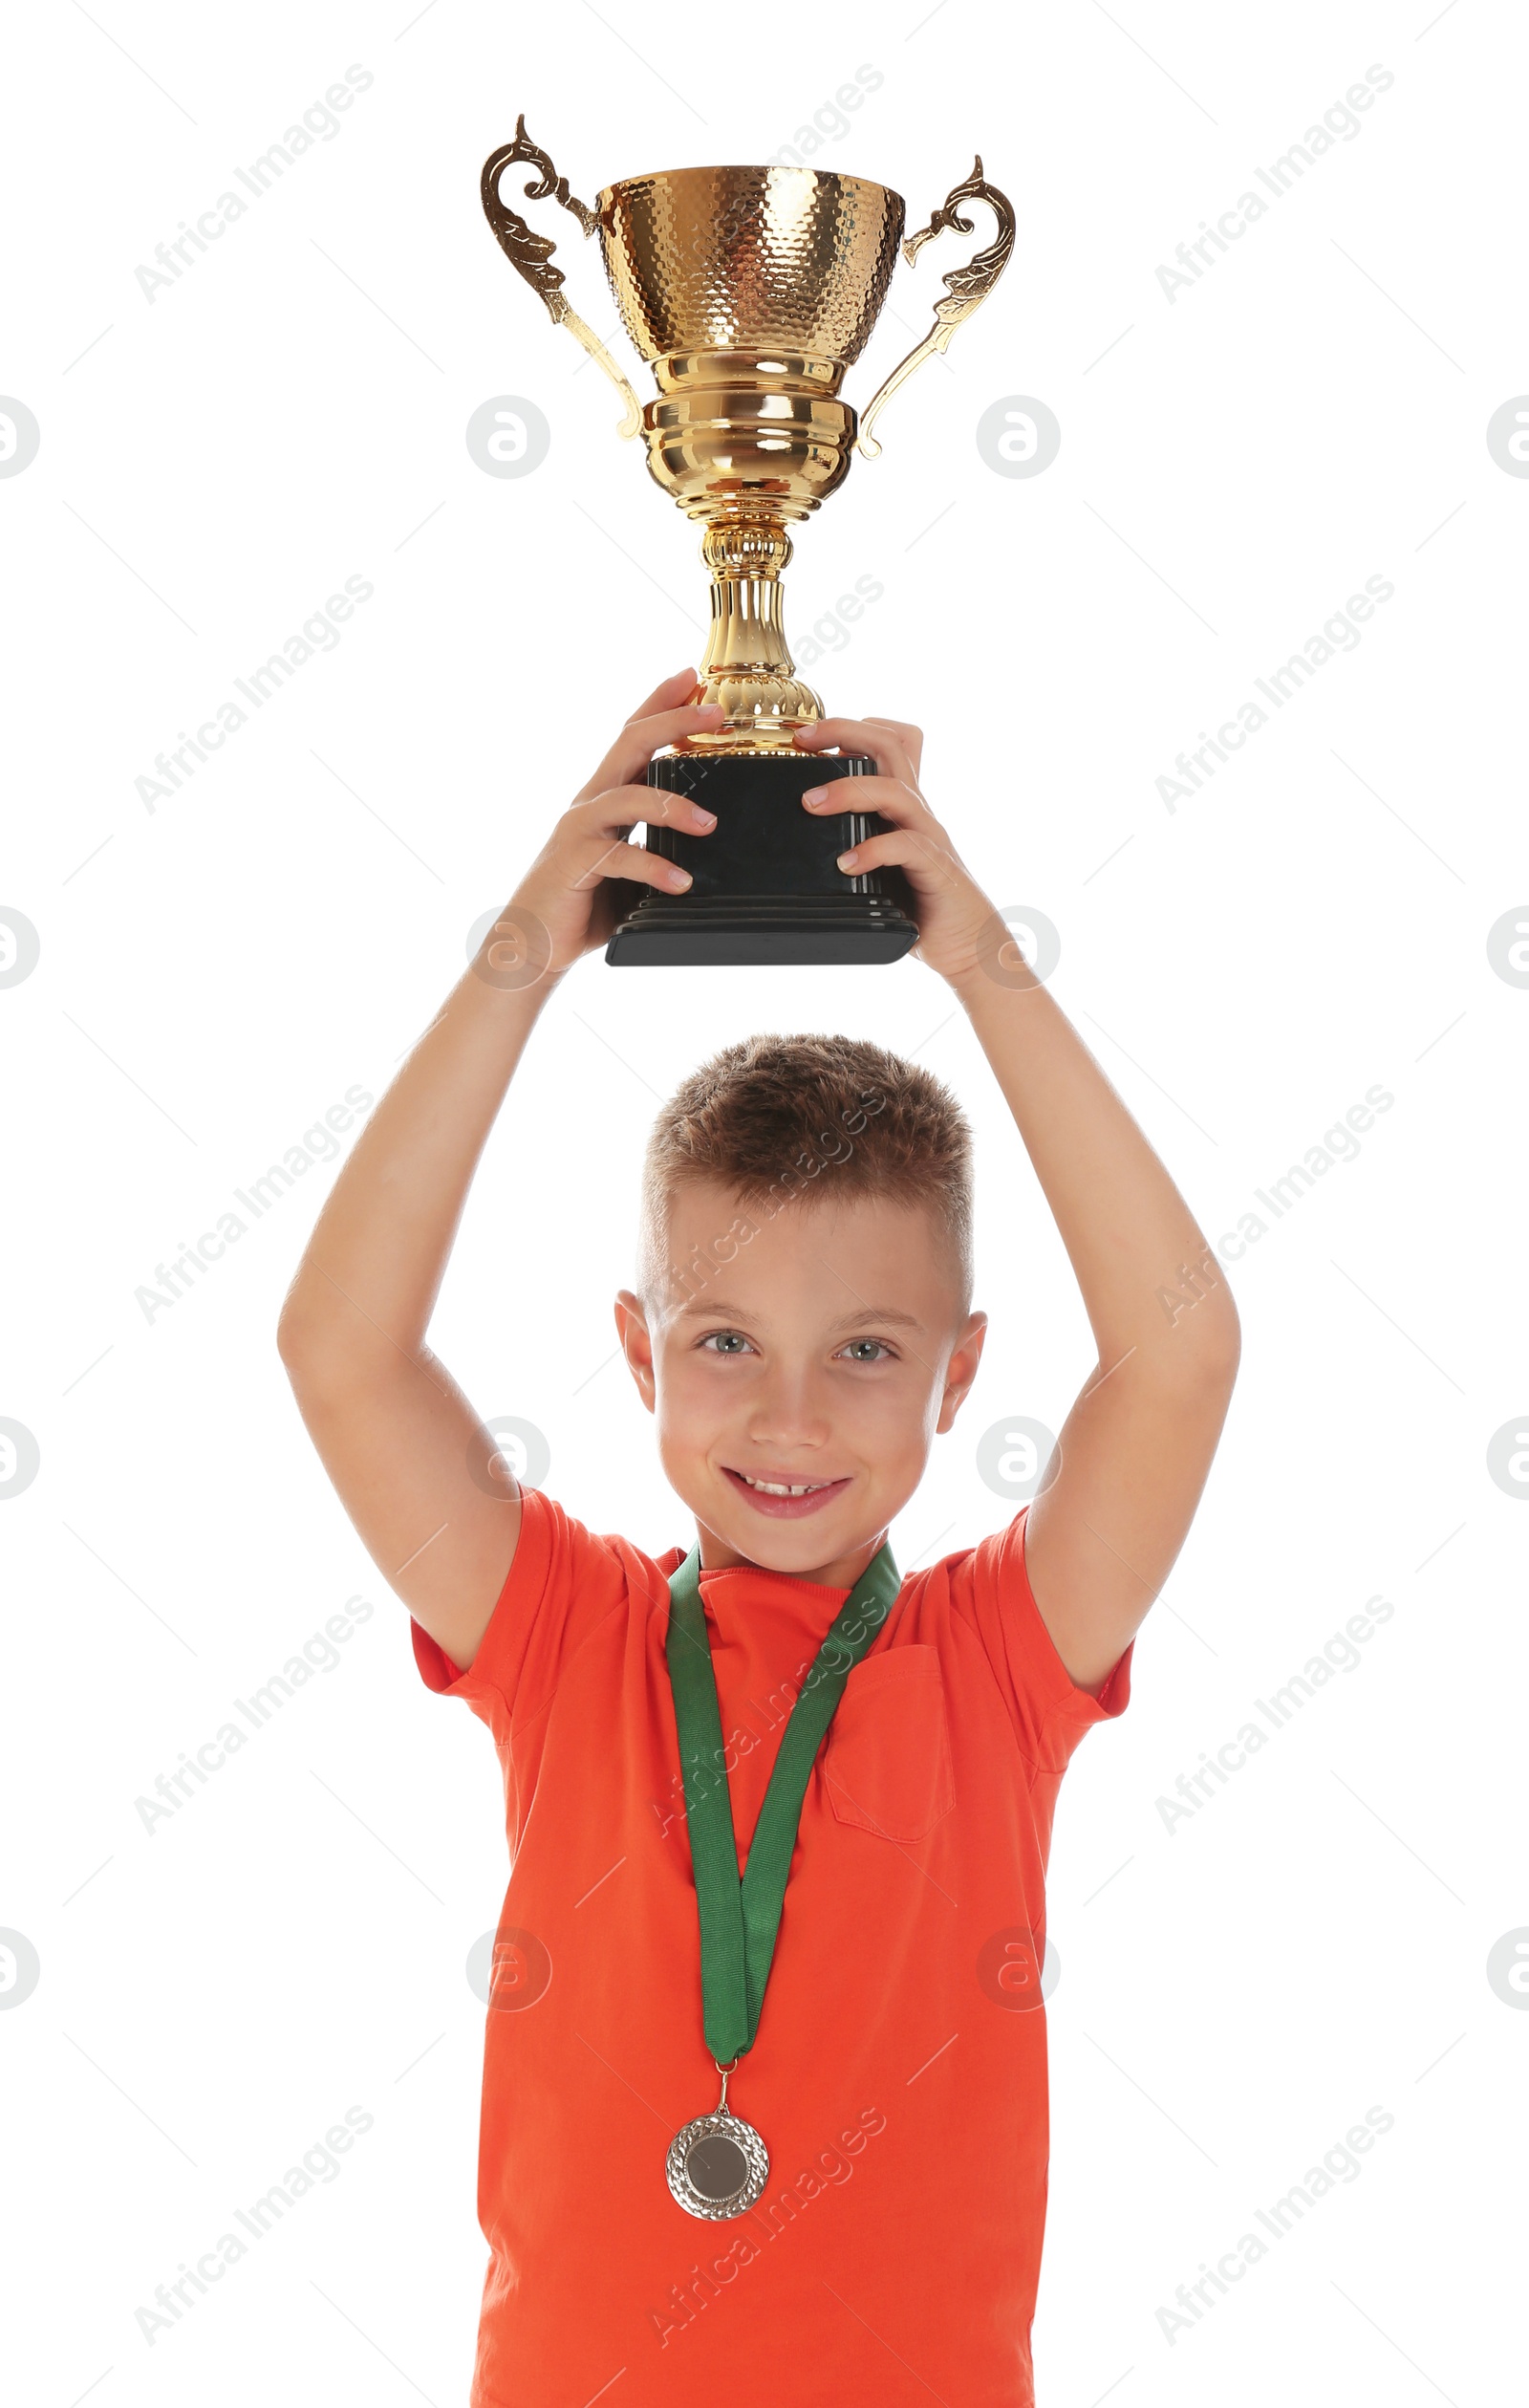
(961, 1369)
(637, 1343)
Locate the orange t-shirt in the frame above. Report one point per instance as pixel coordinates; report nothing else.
(898, 2074)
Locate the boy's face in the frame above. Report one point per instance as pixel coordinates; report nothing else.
(826, 1350)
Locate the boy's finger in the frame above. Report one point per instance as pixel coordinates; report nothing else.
(930, 865)
(618, 807)
(635, 861)
(642, 738)
(882, 740)
(910, 738)
(672, 689)
(892, 797)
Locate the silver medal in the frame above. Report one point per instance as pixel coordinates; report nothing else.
(718, 2165)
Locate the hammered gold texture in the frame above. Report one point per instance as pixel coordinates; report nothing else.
(750, 258)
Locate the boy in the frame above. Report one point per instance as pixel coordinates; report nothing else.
(860, 2220)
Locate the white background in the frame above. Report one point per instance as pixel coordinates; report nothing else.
(215, 974)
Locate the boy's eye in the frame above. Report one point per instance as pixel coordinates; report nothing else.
(733, 1342)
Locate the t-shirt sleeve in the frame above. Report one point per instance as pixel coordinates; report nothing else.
(562, 1582)
(1049, 1712)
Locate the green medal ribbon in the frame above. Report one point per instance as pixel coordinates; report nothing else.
(739, 1918)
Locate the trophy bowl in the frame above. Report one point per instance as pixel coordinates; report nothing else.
(781, 260)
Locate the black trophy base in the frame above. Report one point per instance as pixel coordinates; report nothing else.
(768, 889)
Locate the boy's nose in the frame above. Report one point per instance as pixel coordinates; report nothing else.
(788, 1414)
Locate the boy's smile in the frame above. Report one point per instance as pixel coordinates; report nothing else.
(820, 1355)
(777, 1492)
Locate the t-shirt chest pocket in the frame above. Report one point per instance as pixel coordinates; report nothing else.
(887, 1761)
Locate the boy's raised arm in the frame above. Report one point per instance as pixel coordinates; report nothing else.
(397, 1436)
(1135, 1449)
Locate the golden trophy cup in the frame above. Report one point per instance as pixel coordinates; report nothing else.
(748, 292)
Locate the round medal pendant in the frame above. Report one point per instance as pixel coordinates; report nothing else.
(718, 2165)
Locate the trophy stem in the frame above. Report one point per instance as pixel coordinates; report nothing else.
(747, 667)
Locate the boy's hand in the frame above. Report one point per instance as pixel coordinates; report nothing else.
(958, 927)
(568, 888)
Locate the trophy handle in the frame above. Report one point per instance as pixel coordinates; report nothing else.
(531, 253)
(966, 288)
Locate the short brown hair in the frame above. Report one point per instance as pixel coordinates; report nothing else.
(771, 1116)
